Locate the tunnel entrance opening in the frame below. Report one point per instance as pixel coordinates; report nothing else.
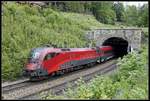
(120, 46)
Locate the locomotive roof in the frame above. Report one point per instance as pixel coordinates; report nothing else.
(51, 49)
(39, 49)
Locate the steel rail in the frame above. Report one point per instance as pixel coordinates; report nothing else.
(55, 82)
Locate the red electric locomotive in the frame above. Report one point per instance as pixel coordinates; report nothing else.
(44, 61)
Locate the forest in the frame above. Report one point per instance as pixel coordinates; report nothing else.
(107, 12)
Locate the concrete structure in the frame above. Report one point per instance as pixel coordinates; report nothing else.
(130, 38)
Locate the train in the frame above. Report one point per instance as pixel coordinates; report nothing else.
(45, 61)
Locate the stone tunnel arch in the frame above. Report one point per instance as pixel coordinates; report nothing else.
(120, 45)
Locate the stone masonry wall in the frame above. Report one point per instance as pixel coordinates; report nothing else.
(133, 36)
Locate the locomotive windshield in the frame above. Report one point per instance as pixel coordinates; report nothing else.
(34, 57)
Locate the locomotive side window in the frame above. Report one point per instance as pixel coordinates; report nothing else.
(106, 52)
(47, 57)
(50, 56)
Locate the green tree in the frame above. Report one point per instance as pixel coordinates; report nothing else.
(143, 16)
(103, 12)
(131, 15)
(137, 16)
(74, 6)
(88, 7)
(119, 10)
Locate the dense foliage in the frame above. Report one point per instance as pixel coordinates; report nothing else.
(107, 12)
(130, 81)
(136, 16)
(103, 13)
(119, 10)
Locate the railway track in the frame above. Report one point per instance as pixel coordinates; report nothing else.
(59, 90)
(57, 85)
(14, 85)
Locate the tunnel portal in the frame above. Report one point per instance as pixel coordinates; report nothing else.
(120, 46)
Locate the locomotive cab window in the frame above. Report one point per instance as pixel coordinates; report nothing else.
(50, 56)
